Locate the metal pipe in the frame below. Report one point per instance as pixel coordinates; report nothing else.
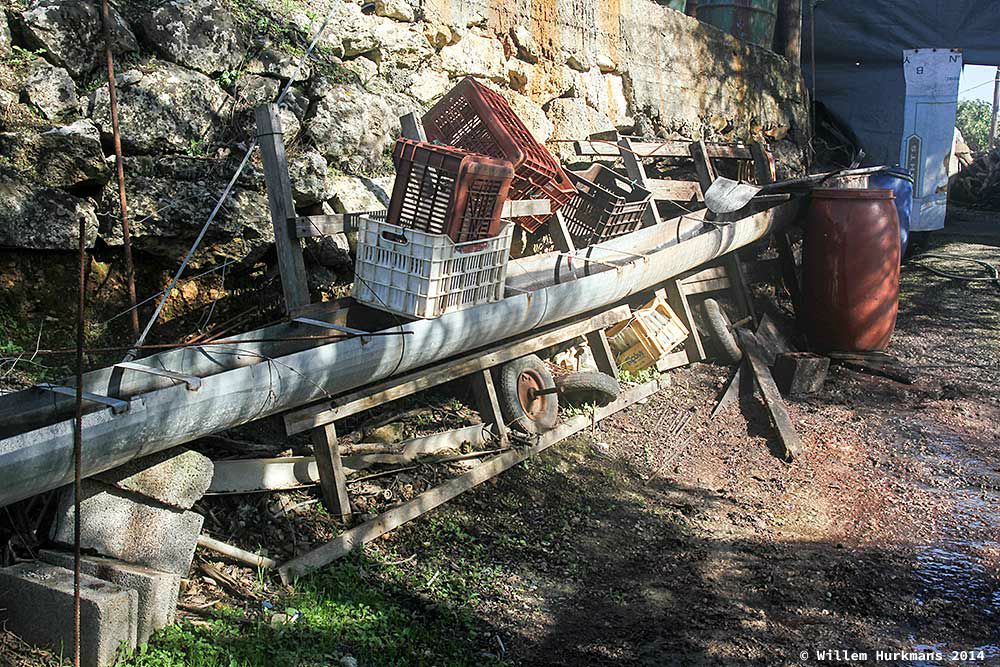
(39, 460)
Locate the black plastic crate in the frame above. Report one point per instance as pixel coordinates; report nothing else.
(606, 205)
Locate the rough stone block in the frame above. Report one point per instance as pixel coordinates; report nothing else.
(157, 590)
(117, 524)
(175, 477)
(36, 603)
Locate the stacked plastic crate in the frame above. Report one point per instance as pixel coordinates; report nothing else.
(443, 246)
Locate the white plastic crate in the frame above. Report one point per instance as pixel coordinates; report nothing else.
(417, 274)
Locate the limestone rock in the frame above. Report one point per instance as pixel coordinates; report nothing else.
(169, 109)
(268, 59)
(477, 56)
(439, 35)
(401, 10)
(63, 157)
(199, 34)
(50, 90)
(349, 32)
(527, 47)
(4, 37)
(69, 30)
(606, 93)
(253, 90)
(39, 218)
(351, 127)
(357, 195)
(171, 197)
(573, 119)
(428, 84)
(401, 44)
(308, 175)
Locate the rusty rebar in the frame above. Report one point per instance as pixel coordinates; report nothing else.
(120, 166)
(78, 437)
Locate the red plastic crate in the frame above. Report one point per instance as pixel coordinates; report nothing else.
(479, 120)
(443, 190)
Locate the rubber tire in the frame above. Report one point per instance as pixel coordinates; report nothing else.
(719, 328)
(510, 405)
(588, 387)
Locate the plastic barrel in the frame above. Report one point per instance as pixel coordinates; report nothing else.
(752, 21)
(850, 270)
(900, 181)
(679, 5)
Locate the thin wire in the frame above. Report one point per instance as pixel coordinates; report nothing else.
(225, 195)
(221, 267)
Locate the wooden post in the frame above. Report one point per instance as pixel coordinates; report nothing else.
(761, 163)
(635, 171)
(560, 233)
(489, 405)
(673, 292)
(703, 165)
(332, 482)
(603, 356)
(790, 13)
(996, 107)
(282, 205)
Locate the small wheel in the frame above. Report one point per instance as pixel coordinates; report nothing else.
(720, 329)
(588, 387)
(522, 407)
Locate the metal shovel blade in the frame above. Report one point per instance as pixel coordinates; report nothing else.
(728, 196)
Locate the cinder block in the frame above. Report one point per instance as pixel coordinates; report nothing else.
(36, 603)
(157, 590)
(130, 528)
(176, 477)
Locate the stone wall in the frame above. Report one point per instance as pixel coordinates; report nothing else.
(190, 72)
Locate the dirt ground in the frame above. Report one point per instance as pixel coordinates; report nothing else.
(632, 545)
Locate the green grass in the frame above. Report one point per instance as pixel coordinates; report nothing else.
(375, 609)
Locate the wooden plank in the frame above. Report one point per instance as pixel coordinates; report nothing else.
(683, 191)
(412, 128)
(711, 273)
(703, 165)
(650, 149)
(332, 481)
(291, 265)
(772, 397)
(601, 349)
(489, 405)
(672, 361)
(346, 542)
(519, 208)
(761, 163)
(560, 233)
(635, 171)
(706, 286)
(734, 267)
(675, 296)
(410, 383)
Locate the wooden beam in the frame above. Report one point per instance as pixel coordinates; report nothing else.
(684, 191)
(674, 293)
(703, 165)
(772, 397)
(489, 405)
(761, 163)
(734, 267)
(635, 171)
(560, 234)
(660, 149)
(332, 481)
(603, 356)
(706, 286)
(291, 265)
(410, 383)
(344, 543)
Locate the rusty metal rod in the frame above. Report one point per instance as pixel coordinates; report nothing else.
(120, 166)
(78, 438)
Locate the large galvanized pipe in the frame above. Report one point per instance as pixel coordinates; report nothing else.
(41, 459)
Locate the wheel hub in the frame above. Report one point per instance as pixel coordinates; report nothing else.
(528, 384)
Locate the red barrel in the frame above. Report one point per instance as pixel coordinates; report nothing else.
(850, 267)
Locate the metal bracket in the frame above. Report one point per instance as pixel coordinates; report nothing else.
(117, 405)
(363, 335)
(193, 382)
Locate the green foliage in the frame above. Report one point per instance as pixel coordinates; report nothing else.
(642, 377)
(973, 120)
(19, 57)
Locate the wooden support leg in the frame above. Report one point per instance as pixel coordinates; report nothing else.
(560, 234)
(739, 284)
(489, 406)
(601, 350)
(673, 292)
(332, 482)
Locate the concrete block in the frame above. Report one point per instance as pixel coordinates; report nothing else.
(177, 477)
(36, 603)
(157, 590)
(117, 524)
